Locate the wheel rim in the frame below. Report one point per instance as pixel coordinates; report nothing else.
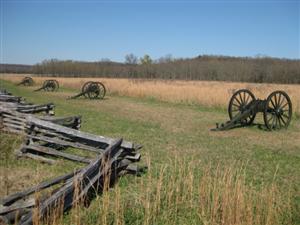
(278, 110)
(56, 85)
(102, 90)
(239, 102)
(85, 88)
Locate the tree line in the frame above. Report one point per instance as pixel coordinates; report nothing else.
(15, 68)
(203, 67)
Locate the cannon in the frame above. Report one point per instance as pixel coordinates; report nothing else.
(27, 81)
(91, 90)
(243, 107)
(49, 85)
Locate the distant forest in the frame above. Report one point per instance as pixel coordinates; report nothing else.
(216, 68)
(15, 68)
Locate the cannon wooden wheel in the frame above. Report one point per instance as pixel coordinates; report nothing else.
(239, 103)
(84, 88)
(49, 85)
(102, 90)
(57, 84)
(96, 90)
(278, 110)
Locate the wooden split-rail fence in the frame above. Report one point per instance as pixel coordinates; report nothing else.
(47, 137)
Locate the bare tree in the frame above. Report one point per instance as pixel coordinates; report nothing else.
(131, 59)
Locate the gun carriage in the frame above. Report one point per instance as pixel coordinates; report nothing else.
(243, 107)
(49, 85)
(27, 81)
(92, 90)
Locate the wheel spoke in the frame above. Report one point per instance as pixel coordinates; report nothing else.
(284, 105)
(274, 107)
(273, 121)
(276, 121)
(280, 118)
(237, 100)
(286, 116)
(279, 122)
(241, 98)
(247, 99)
(281, 103)
(276, 103)
(279, 100)
(271, 117)
(235, 105)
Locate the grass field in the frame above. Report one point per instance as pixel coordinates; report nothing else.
(206, 93)
(195, 176)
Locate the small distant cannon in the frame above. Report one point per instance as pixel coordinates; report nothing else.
(27, 81)
(92, 90)
(243, 107)
(49, 85)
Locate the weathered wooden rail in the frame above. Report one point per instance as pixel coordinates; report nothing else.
(29, 108)
(100, 174)
(8, 97)
(45, 136)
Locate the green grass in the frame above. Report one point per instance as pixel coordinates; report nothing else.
(170, 133)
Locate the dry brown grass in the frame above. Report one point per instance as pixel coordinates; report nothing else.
(218, 196)
(208, 93)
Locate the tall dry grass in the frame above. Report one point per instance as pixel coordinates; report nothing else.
(183, 193)
(208, 93)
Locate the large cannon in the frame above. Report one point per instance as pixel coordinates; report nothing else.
(27, 81)
(49, 85)
(92, 90)
(243, 107)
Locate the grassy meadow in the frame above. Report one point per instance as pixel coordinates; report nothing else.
(206, 93)
(195, 176)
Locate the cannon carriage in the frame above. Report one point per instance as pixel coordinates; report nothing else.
(92, 90)
(49, 85)
(243, 107)
(27, 81)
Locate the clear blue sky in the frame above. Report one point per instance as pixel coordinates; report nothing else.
(32, 31)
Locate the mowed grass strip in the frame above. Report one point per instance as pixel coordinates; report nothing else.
(195, 176)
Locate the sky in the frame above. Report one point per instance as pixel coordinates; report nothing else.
(35, 30)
